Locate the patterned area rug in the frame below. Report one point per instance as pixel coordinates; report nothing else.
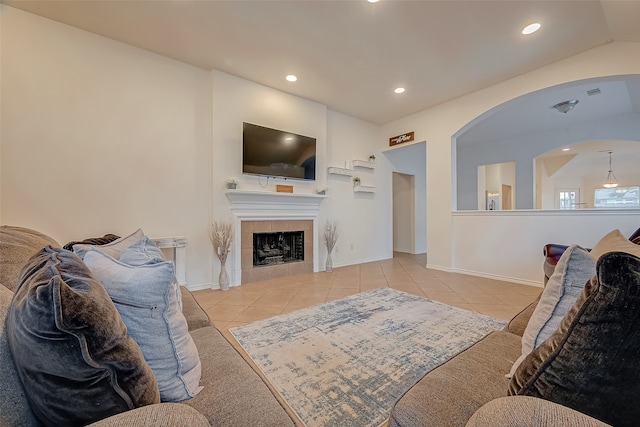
(345, 363)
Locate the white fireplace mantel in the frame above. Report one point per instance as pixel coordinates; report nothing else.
(247, 205)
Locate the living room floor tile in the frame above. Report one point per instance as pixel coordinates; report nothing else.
(405, 272)
(251, 314)
(225, 313)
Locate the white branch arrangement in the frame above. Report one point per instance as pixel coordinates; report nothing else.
(220, 235)
(331, 234)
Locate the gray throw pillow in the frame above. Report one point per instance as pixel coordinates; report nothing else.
(148, 298)
(592, 362)
(575, 267)
(71, 350)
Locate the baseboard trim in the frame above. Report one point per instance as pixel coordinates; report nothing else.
(202, 286)
(499, 277)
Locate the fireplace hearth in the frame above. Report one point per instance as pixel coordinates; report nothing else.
(279, 247)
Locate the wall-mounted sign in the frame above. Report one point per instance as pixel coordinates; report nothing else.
(405, 137)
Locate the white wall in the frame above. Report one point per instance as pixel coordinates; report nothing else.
(364, 218)
(438, 124)
(101, 137)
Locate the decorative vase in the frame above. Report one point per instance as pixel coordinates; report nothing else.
(224, 278)
(321, 193)
(329, 267)
(231, 186)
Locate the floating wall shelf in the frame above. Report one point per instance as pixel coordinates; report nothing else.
(363, 189)
(339, 171)
(363, 164)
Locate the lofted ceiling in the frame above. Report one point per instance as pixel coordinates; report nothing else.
(350, 55)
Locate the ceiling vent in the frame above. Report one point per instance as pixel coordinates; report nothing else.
(592, 92)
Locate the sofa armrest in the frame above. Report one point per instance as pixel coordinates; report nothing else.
(529, 411)
(196, 316)
(158, 415)
(519, 322)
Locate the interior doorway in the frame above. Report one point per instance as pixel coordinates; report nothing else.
(506, 197)
(404, 213)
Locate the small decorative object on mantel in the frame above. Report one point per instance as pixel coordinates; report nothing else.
(372, 158)
(405, 137)
(284, 188)
(220, 235)
(331, 235)
(232, 183)
(322, 189)
(356, 181)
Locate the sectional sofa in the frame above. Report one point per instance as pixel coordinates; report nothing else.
(232, 394)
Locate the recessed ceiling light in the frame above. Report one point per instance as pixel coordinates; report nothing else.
(531, 28)
(373, 1)
(566, 149)
(399, 90)
(291, 78)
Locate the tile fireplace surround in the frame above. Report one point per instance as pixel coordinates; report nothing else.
(263, 211)
(255, 274)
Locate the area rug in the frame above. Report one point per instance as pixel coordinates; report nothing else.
(345, 363)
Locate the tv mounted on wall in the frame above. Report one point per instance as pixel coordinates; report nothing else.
(277, 153)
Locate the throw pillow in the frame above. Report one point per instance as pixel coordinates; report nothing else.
(72, 352)
(107, 238)
(614, 241)
(147, 297)
(114, 248)
(575, 267)
(592, 362)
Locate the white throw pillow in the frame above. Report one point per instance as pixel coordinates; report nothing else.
(575, 267)
(147, 298)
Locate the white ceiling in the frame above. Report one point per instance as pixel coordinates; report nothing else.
(350, 55)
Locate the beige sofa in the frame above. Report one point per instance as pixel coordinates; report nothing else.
(471, 388)
(233, 394)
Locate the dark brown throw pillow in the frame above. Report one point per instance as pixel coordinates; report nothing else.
(107, 238)
(71, 349)
(592, 362)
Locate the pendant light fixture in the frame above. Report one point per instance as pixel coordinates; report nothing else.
(611, 181)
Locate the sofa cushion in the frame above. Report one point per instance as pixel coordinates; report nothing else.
(71, 349)
(17, 245)
(107, 238)
(148, 298)
(234, 393)
(450, 394)
(575, 267)
(529, 411)
(14, 407)
(114, 248)
(614, 241)
(592, 362)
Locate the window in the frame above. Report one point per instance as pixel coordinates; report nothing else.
(567, 198)
(621, 197)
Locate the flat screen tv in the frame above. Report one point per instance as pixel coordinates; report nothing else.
(277, 153)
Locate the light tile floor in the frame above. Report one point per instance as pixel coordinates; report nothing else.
(405, 272)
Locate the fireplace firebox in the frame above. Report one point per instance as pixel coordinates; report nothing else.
(279, 247)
